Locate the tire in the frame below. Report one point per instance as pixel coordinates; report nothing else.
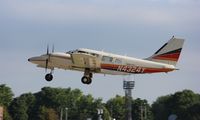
(86, 80)
(48, 77)
(89, 81)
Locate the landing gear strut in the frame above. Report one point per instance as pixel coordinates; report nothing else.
(87, 78)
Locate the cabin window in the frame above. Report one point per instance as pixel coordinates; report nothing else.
(95, 54)
(107, 59)
(118, 61)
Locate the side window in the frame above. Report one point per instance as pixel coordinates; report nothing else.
(118, 61)
(95, 54)
(107, 59)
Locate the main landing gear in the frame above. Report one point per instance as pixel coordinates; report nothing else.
(87, 78)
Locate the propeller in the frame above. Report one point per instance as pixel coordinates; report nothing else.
(49, 56)
(48, 49)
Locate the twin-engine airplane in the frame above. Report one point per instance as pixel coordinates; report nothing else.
(92, 61)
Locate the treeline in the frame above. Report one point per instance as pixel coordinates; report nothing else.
(47, 104)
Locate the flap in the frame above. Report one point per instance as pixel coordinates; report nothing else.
(83, 60)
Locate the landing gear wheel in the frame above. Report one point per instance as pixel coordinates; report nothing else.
(86, 80)
(89, 81)
(48, 77)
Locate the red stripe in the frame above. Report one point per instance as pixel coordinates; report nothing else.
(171, 57)
(146, 70)
(104, 66)
(155, 70)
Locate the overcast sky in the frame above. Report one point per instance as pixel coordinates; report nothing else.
(127, 27)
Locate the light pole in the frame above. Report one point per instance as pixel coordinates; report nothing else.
(100, 113)
(66, 113)
(61, 113)
(128, 86)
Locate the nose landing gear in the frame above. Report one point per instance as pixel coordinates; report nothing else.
(49, 77)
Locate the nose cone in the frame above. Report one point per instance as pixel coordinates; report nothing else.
(32, 59)
(37, 60)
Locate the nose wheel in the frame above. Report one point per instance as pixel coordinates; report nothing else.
(49, 77)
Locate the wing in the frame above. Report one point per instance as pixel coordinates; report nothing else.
(83, 60)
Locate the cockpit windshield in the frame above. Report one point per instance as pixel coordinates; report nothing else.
(76, 51)
(70, 52)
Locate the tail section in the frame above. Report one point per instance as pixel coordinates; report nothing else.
(169, 53)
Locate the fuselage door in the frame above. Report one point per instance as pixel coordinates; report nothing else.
(84, 60)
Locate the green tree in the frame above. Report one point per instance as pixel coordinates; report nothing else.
(72, 103)
(180, 103)
(59, 98)
(53, 97)
(79, 106)
(106, 114)
(116, 107)
(21, 107)
(6, 115)
(194, 112)
(47, 113)
(87, 107)
(160, 108)
(141, 108)
(6, 97)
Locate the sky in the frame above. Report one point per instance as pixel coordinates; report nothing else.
(135, 28)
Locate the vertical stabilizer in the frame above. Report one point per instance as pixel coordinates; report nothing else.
(169, 53)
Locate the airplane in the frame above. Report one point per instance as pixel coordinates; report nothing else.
(91, 61)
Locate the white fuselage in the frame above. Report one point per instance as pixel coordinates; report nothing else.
(100, 62)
